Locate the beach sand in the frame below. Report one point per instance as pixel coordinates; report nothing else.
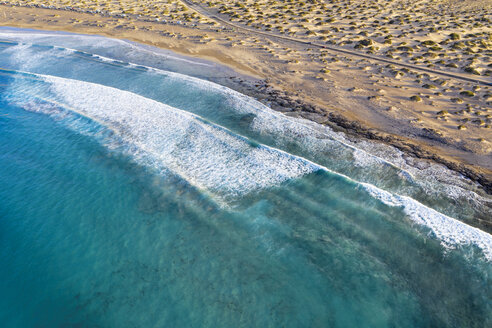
(428, 115)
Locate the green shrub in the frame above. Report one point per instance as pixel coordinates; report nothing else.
(454, 36)
(471, 70)
(405, 48)
(428, 43)
(366, 42)
(467, 93)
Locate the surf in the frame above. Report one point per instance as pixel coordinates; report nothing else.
(208, 156)
(315, 142)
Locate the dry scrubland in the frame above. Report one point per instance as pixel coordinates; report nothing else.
(451, 116)
(172, 10)
(449, 35)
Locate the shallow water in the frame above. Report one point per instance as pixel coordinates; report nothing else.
(140, 197)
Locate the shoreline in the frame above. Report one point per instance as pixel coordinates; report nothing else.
(272, 93)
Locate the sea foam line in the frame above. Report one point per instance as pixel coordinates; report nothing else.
(252, 103)
(449, 231)
(208, 156)
(257, 107)
(84, 36)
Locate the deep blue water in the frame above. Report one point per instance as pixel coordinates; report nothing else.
(136, 197)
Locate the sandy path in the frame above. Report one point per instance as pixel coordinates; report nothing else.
(458, 76)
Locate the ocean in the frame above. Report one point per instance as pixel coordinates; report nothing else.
(137, 192)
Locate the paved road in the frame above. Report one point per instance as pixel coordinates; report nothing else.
(198, 8)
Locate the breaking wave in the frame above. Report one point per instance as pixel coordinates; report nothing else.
(206, 155)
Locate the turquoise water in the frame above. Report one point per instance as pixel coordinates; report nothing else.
(137, 197)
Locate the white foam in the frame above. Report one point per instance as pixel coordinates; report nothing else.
(31, 36)
(435, 179)
(449, 231)
(147, 132)
(266, 120)
(24, 56)
(206, 155)
(90, 41)
(212, 158)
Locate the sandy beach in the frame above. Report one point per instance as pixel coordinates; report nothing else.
(445, 118)
(246, 163)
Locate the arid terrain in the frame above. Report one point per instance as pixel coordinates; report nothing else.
(415, 74)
